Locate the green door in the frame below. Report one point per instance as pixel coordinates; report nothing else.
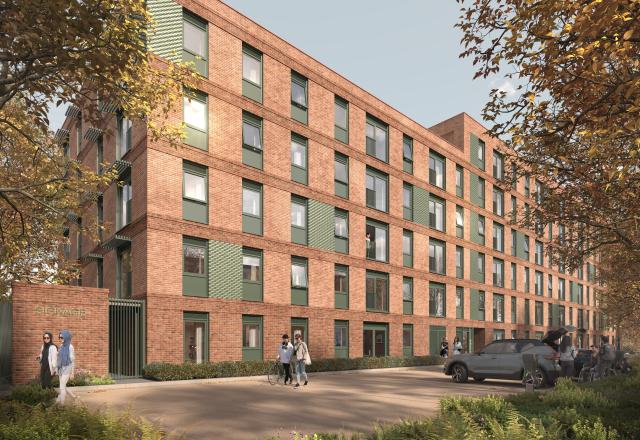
(375, 340)
(299, 325)
(466, 337)
(407, 340)
(436, 333)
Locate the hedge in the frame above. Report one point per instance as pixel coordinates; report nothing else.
(163, 371)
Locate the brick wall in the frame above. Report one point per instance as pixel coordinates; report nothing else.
(40, 308)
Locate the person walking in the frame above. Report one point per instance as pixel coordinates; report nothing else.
(285, 350)
(65, 364)
(47, 358)
(302, 359)
(567, 356)
(444, 348)
(457, 346)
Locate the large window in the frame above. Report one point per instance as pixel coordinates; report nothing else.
(437, 256)
(498, 165)
(100, 155)
(498, 308)
(437, 300)
(477, 190)
(549, 285)
(251, 207)
(341, 231)
(407, 248)
(251, 140)
(539, 255)
(196, 119)
(376, 192)
(498, 237)
(514, 310)
(341, 338)
(481, 224)
(125, 194)
(527, 281)
(526, 247)
(539, 286)
(561, 287)
(478, 273)
(341, 119)
(407, 340)
(436, 213)
(123, 136)
(527, 312)
(407, 296)
(299, 281)
(407, 154)
(124, 284)
(539, 313)
(459, 221)
(459, 181)
(376, 135)
(195, 42)
(251, 73)
(498, 201)
(251, 274)
(341, 286)
(459, 262)
(514, 276)
(459, 302)
(195, 267)
(298, 220)
(299, 161)
(194, 193)
(341, 175)
(377, 291)
(299, 106)
(407, 201)
(251, 338)
(498, 272)
(376, 241)
(437, 170)
(196, 337)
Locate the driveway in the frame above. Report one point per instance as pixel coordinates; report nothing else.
(253, 409)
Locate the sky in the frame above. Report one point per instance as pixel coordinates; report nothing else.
(404, 52)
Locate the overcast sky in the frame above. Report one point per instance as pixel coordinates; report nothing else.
(404, 52)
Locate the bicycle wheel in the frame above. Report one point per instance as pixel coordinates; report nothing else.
(274, 375)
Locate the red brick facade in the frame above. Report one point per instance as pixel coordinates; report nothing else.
(39, 308)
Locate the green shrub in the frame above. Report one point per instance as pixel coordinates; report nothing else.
(33, 394)
(165, 371)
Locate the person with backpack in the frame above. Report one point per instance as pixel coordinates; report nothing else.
(567, 356)
(302, 359)
(285, 351)
(606, 356)
(47, 358)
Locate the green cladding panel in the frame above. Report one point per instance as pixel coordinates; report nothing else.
(321, 225)
(475, 182)
(473, 228)
(477, 144)
(475, 274)
(520, 246)
(225, 270)
(166, 40)
(420, 206)
(476, 313)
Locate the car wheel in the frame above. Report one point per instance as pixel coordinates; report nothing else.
(536, 379)
(479, 379)
(459, 373)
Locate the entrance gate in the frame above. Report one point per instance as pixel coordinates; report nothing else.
(126, 337)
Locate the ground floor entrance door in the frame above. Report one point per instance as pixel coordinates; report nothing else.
(436, 333)
(375, 340)
(465, 334)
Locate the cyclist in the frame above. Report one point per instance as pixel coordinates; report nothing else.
(285, 350)
(606, 356)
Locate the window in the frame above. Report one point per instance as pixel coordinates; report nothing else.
(498, 201)
(195, 42)
(550, 286)
(298, 220)
(539, 192)
(195, 267)
(407, 340)
(251, 140)
(125, 194)
(459, 262)
(341, 175)
(527, 312)
(498, 335)
(251, 207)
(299, 97)
(124, 280)
(299, 159)
(78, 134)
(99, 274)
(437, 256)
(514, 310)
(570, 315)
(498, 272)
(539, 313)
(123, 135)
(459, 302)
(100, 155)
(498, 237)
(459, 221)
(514, 276)
(526, 247)
(477, 151)
(538, 283)
(526, 280)
(341, 286)
(251, 338)
(341, 338)
(436, 213)
(477, 266)
(196, 119)
(377, 291)
(561, 291)
(407, 201)
(514, 242)
(299, 283)
(376, 136)
(407, 248)
(100, 217)
(498, 308)
(196, 337)
(549, 314)
(407, 296)
(539, 253)
(514, 334)
(481, 305)
(498, 165)
(561, 314)
(459, 181)
(437, 170)
(481, 228)
(376, 240)
(437, 300)
(194, 193)
(376, 192)
(514, 209)
(341, 120)
(407, 154)
(251, 274)
(527, 191)
(251, 73)
(341, 231)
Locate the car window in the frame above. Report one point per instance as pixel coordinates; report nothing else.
(524, 346)
(493, 348)
(509, 347)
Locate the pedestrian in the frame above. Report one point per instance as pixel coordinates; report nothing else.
(302, 359)
(444, 348)
(65, 363)
(567, 356)
(285, 350)
(457, 346)
(606, 356)
(47, 358)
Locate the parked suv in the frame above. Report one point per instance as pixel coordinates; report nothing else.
(502, 359)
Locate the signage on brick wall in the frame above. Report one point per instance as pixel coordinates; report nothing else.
(53, 310)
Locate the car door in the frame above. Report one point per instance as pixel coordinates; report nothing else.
(486, 363)
(509, 360)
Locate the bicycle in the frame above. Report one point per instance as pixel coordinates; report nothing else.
(276, 373)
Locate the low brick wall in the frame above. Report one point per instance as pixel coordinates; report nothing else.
(39, 308)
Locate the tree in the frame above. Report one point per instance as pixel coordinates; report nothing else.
(81, 52)
(574, 119)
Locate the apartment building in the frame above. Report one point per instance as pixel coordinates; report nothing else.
(300, 202)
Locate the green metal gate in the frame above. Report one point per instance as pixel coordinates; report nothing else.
(126, 337)
(5, 342)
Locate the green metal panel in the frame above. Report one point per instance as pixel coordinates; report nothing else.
(252, 290)
(252, 157)
(298, 235)
(477, 143)
(420, 206)
(341, 245)
(555, 315)
(520, 245)
(407, 260)
(407, 307)
(225, 270)
(341, 189)
(474, 304)
(342, 300)
(299, 175)
(573, 287)
(6, 327)
(436, 333)
(299, 114)
(473, 228)
(321, 225)
(299, 297)
(475, 183)
(195, 211)
(475, 274)
(166, 41)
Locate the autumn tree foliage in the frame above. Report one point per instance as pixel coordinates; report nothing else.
(574, 119)
(75, 52)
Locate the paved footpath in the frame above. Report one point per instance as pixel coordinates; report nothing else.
(253, 409)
